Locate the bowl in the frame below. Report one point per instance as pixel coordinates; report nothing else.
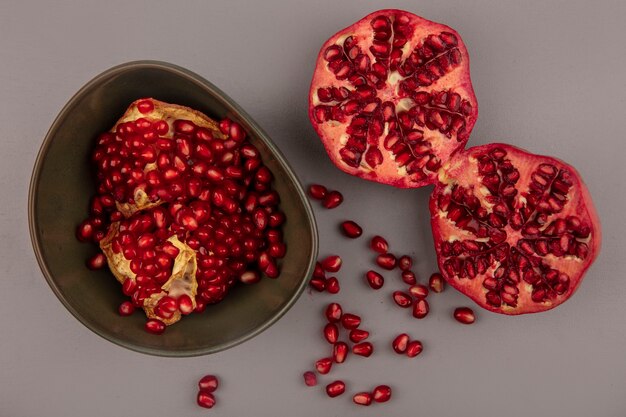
(63, 180)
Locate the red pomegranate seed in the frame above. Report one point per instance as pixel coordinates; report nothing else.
(250, 277)
(363, 349)
(362, 398)
(409, 277)
(332, 285)
(332, 263)
(379, 244)
(464, 315)
(402, 299)
(85, 231)
(340, 351)
(419, 291)
(310, 379)
(382, 393)
(386, 261)
(331, 333)
(98, 261)
(350, 321)
(318, 272)
(358, 335)
(400, 343)
(126, 308)
(332, 199)
(405, 262)
(414, 348)
(420, 309)
(317, 191)
(129, 286)
(155, 326)
(205, 399)
(374, 279)
(145, 106)
(436, 282)
(168, 304)
(319, 284)
(185, 304)
(335, 388)
(323, 365)
(333, 312)
(208, 383)
(351, 229)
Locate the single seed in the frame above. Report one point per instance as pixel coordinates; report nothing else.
(332, 199)
(351, 229)
(386, 261)
(335, 388)
(332, 263)
(382, 393)
(208, 383)
(414, 348)
(374, 279)
(358, 335)
(362, 398)
(205, 399)
(400, 343)
(331, 333)
(419, 291)
(363, 349)
(310, 379)
(409, 277)
(402, 299)
(332, 285)
(350, 321)
(317, 191)
(420, 309)
(340, 351)
(405, 262)
(464, 315)
(333, 312)
(323, 365)
(436, 282)
(379, 244)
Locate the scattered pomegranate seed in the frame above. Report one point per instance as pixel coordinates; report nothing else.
(333, 312)
(409, 277)
(317, 191)
(155, 326)
(340, 351)
(208, 383)
(331, 333)
(310, 379)
(402, 299)
(405, 262)
(382, 393)
(323, 365)
(379, 244)
(420, 309)
(464, 315)
(332, 199)
(362, 398)
(358, 335)
(332, 285)
(350, 321)
(206, 399)
(126, 308)
(319, 272)
(418, 291)
(332, 263)
(351, 229)
(335, 388)
(363, 349)
(400, 343)
(98, 261)
(319, 284)
(386, 261)
(414, 348)
(436, 282)
(374, 279)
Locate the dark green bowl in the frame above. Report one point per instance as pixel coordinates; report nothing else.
(63, 181)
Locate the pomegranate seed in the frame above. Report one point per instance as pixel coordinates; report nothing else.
(317, 191)
(126, 308)
(340, 351)
(374, 279)
(155, 326)
(409, 277)
(332, 263)
(405, 262)
(464, 315)
(335, 388)
(319, 284)
(333, 313)
(386, 261)
(332, 285)
(208, 383)
(351, 229)
(318, 272)
(185, 304)
(382, 393)
(400, 343)
(420, 309)
(129, 286)
(98, 261)
(350, 321)
(362, 398)
(323, 365)
(358, 335)
(332, 199)
(419, 291)
(250, 277)
(85, 231)
(363, 349)
(379, 244)
(205, 399)
(310, 379)
(331, 333)
(168, 304)
(145, 106)
(436, 282)
(402, 299)
(414, 348)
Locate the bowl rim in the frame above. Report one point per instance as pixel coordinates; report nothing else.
(241, 114)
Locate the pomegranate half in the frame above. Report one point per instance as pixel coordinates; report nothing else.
(391, 98)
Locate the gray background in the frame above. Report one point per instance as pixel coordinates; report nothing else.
(549, 77)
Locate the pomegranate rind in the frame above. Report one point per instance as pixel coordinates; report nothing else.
(462, 170)
(169, 113)
(333, 134)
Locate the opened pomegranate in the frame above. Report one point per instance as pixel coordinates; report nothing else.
(184, 209)
(391, 98)
(514, 231)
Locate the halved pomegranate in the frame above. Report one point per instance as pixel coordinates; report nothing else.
(391, 98)
(513, 231)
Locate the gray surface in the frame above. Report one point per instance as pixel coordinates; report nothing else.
(549, 77)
